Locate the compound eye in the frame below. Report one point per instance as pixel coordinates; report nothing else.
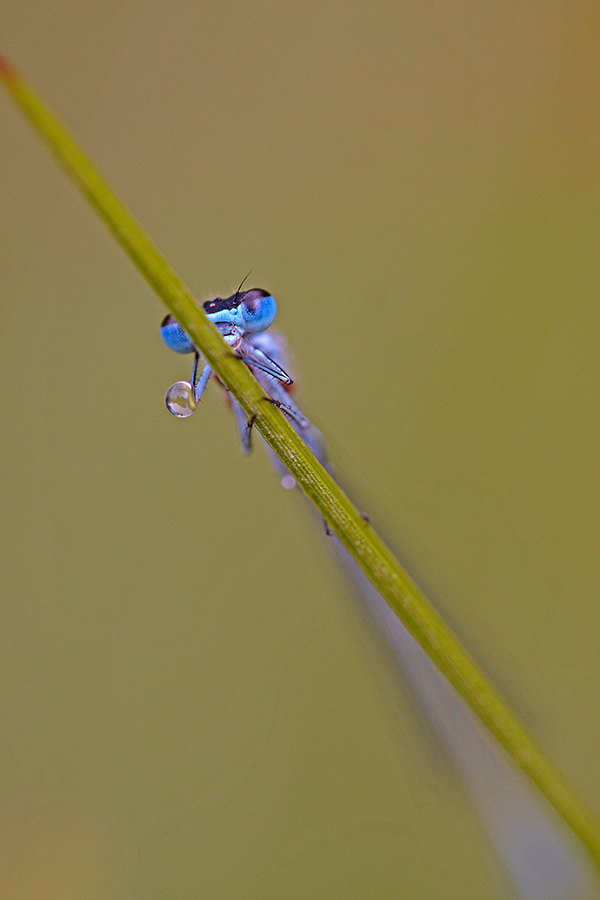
(175, 337)
(258, 310)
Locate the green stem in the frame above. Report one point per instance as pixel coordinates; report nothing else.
(358, 537)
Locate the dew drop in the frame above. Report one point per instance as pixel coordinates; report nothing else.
(181, 399)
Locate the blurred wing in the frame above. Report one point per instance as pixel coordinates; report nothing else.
(542, 857)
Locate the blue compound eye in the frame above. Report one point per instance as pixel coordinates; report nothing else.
(258, 310)
(175, 337)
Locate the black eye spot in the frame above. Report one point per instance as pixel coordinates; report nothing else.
(254, 294)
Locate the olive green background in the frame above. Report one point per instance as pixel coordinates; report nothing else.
(189, 707)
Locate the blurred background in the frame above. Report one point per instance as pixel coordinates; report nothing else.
(189, 706)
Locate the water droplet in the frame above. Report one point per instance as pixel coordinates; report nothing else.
(181, 399)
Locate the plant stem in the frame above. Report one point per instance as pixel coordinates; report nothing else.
(356, 535)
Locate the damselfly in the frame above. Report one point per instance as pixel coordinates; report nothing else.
(540, 857)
